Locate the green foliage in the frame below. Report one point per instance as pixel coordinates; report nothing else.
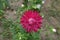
(18, 33)
(13, 28)
(3, 4)
(31, 4)
(4, 22)
(1, 12)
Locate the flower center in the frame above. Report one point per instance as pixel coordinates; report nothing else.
(31, 21)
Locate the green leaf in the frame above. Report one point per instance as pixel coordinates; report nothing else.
(3, 4)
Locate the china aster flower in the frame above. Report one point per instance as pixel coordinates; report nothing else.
(31, 20)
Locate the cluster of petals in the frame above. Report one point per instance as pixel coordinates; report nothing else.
(31, 20)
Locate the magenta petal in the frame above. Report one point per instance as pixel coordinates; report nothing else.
(35, 29)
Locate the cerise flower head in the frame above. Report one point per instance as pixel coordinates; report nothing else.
(31, 20)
